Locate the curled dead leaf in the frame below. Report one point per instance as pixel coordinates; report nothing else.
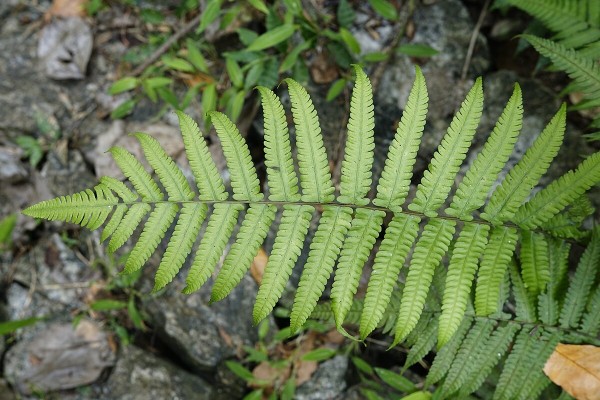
(257, 269)
(66, 8)
(576, 368)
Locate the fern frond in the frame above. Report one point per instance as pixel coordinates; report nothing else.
(324, 250)
(469, 356)
(447, 353)
(581, 283)
(524, 364)
(283, 181)
(430, 249)
(585, 72)
(286, 250)
(560, 193)
(213, 243)
(137, 175)
(315, 177)
(358, 155)
(209, 181)
(424, 344)
(525, 307)
(394, 183)
(571, 20)
(524, 176)
(547, 309)
(491, 354)
(113, 223)
(183, 238)
(439, 177)
(127, 225)
(171, 177)
(535, 267)
(154, 230)
(399, 237)
(591, 318)
(461, 271)
(558, 255)
(87, 208)
(472, 191)
(360, 239)
(496, 257)
(252, 233)
(244, 180)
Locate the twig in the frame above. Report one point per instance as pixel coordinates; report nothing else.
(469, 56)
(167, 45)
(400, 28)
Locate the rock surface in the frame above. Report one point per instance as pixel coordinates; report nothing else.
(59, 357)
(328, 382)
(139, 375)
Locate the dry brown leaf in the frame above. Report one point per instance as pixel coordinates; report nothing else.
(266, 372)
(304, 370)
(576, 368)
(257, 269)
(323, 69)
(67, 8)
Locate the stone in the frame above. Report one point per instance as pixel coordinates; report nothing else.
(65, 47)
(328, 382)
(203, 335)
(59, 357)
(11, 169)
(140, 375)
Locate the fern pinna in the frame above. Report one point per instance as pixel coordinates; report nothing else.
(482, 235)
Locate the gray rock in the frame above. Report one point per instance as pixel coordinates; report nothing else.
(65, 47)
(59, 357)
(11, 169)
(447, 27)
(203, 335)
(328, 382)
(140, 375)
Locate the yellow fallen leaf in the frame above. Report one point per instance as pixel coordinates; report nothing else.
(257, 269)
(576, 368)
(67, 8)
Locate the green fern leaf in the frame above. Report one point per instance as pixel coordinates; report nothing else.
(560, 193)
(424, 344)
(283, 182)
(430, 249)
(472, 191)
(472, 350)
(114, 222)
(558, 257)
(315, 177)
(244, 180)
(178, 189)
(547, 309)
(286, 250)
(461, 271)
(127, 225)
(137, 175)
(205, 172)
(447, 353)
(491, 352)
(494, 262)
(525, 307)
(522, 178)
(581, 283)
(119, 188)
(211, 248)
(324, 251)
(524, 364)
(394, 183)
(439, 177)
(154, 230)
(591, 318)
(252, 233)
(360, 239)
(180, 245)
(358, 156)
(399, 237)
(535, 267)
(85, 207)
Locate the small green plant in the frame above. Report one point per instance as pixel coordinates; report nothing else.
(575, 48)
(475, 235)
